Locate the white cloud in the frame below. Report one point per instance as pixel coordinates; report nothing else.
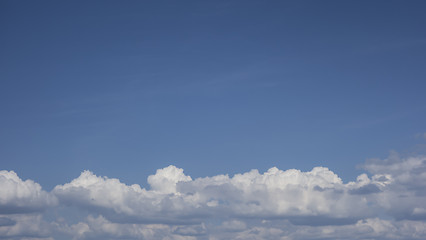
(175, 197)
(165, 179)
(17, 196)
(277, 193)
(123, 203)
(390, 203)
(405, 195)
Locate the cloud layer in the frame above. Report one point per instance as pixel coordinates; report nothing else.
(387, 202)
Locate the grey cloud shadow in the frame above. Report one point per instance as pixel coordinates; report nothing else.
(366, 189)
(321, 221)
(6, 222)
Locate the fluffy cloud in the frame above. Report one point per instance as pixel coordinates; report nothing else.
(17, 196)
(304, 197)
(405, 195)
(123, 203)
(387, 202)
(165, 179)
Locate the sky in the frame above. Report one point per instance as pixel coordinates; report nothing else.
(212, 119)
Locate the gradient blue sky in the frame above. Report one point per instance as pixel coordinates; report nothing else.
(127, 87)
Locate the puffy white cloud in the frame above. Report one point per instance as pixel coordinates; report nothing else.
(21, 205)
(284, 194)
(165, 179)
(18, 196)
(404, 196)
(176, 198)
(387, 203)
(123, 203)
(317, 197)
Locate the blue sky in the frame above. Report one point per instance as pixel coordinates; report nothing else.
(123, 88)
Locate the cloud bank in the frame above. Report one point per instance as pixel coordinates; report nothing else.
(387, 202)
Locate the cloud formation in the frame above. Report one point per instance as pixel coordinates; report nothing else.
(387, 202)
(17, 196)
(405, 197)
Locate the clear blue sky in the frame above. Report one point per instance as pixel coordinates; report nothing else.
(127, 87)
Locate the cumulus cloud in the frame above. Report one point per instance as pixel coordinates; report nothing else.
(18, 196)
(165, 179)
(175, 197)
(278, 194)
(386, 202)
(123, 203)
(405, 194)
